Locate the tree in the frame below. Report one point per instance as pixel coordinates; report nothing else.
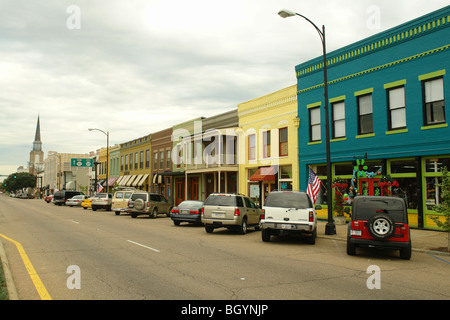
(18, 181)
(444, 207)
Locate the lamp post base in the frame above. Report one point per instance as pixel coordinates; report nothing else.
(330, 229)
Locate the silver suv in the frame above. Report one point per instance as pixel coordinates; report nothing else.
(101, 201)
(148, 203)
(230, 211)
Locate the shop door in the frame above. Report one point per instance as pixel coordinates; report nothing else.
(179, 191)
(369, 187)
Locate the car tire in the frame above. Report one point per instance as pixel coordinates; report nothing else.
(154, 213)
(351, 248)
(117, 213)
(177, 223)
(139, 204)
(265, 235)
(209, 229)
(94, 208)
(381, 226)
(312, 238)
(133, 215)
(243, 227)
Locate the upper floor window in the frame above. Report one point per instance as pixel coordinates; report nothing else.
(338, 119)
(266, 144)
(314, 124)
(434, 103)
(283, 134)
(365, 114)
(396, 108)
(252, 147)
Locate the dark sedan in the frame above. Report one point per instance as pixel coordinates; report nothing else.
(187, 211)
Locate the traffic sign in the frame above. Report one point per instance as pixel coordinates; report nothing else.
(75, 162)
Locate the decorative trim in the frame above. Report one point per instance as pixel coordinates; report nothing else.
(337, 99)
(314, 105)
(396, 131)
(365, 136)
(395, 84)
(363, 92)
(432, 75)
(436, 126)
(381, 67)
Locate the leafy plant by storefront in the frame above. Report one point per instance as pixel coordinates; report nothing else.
(339, 187)
(444, 207)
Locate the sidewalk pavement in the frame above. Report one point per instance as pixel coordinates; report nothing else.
(421, 240)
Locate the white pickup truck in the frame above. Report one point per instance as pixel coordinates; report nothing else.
(287, 212)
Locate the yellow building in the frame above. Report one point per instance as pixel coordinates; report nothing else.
(135, 166)
(268, 144)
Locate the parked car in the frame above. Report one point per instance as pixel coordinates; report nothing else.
(75, 201)
(86, 203)
(48, 198)
(60, 197)
(289, 212)
(148, 203)
(187, 211)
(120, 200)
(101, 201)
(380, 222)
(230, 211)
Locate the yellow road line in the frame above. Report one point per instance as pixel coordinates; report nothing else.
(43, 293)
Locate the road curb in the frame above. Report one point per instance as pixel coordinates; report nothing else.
(12, 292)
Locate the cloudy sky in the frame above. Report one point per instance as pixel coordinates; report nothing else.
(137, 67)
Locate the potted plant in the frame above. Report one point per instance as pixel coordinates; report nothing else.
(339, 187)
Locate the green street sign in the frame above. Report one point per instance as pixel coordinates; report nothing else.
(74, 162)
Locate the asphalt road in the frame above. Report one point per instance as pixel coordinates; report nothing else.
(146, 259)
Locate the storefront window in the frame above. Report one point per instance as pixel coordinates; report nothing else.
(343, 169)
(403, 166)
(436, 164)
(408, 190)
(285, 178)
(433, 192)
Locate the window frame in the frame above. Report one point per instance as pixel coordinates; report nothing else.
(281, 142)
(251, 146)
(358, 100)
(390, 109)
(334, 120)
(318, 124)
(426, 121)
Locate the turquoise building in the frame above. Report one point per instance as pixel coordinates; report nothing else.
(388, 115)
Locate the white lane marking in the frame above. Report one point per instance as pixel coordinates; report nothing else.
(74, 221)
(156, 250)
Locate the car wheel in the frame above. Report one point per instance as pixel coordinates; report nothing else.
(139, 204)
(312, 238)
(117, 213)
(265, 235)
(177, 223)
(133, 215)
(94, 208)
(209, 229)
(154, 213)
(243, 226)
(381, 226)
(169, 212)
(351, 248)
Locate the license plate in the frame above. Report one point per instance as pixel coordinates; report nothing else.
(185, 211)
(218, 215)
(356, 233)
(286, 226)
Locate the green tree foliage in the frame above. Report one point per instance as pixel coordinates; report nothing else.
(18, 181)
(444, 207)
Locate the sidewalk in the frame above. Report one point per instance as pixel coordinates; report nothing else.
(422, 240)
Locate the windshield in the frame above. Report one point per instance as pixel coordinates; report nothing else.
(365, 208)
(295, 200)
(223, 200)
(191, 204)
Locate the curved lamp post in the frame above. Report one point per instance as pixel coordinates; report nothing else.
(330, 227)
(107, 157)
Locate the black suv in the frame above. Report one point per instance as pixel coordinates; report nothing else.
(380, 222)
(60, 197)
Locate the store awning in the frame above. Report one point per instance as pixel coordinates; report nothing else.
(264, 174)
(131, 180)
(137, 180)
(140, 183)
(158, 178)
(112, 181)
(124, 180)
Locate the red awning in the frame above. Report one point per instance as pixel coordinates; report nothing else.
(264, 174)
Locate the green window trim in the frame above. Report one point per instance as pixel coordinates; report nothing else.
(395, 84)
(396, 131)
(436, 126)
(362, 136)
(432, 75)
(363, 92)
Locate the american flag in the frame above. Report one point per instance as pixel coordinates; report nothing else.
(313, 185)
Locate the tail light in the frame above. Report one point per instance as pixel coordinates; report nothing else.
(175, 211)
(148, 204)
(236, 212)
(194, 211)
(263, 214)
(203, 211)
(311, 216)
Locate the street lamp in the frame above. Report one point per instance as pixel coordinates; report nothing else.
(330, 227)
(107, 156)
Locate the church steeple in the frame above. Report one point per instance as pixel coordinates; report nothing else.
(37, 144)
(36, 155)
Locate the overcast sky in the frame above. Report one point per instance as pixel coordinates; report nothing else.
(137, 67)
